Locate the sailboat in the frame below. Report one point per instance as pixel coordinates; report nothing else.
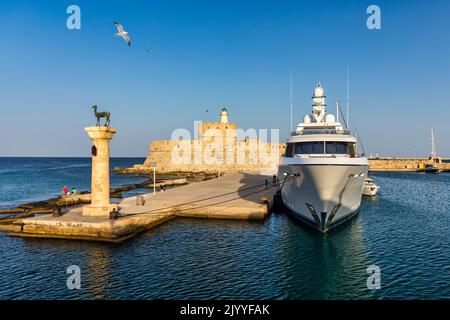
(432, 167)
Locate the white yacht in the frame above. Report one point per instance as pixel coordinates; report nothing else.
(322, 173)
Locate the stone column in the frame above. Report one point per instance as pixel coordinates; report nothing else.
(100, 205)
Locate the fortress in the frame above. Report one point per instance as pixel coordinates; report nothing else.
(216, 147)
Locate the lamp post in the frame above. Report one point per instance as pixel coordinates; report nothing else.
(219, 172)
(154, 178)
(219, 160)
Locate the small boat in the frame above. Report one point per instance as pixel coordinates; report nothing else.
(370, 188)
(431, 168)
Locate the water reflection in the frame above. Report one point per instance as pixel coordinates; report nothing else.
(98, 275)
(324, 266)
(94, 260)
(374, 199)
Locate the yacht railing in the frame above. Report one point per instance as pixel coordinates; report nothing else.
(319, 131)
(328, 155)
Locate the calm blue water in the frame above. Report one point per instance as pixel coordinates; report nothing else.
(406, 232)
(32, 179)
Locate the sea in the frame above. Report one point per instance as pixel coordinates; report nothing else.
(397, 247)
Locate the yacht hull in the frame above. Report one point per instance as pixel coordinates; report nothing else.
(323, 194)
(305, 221)
(370, 190)
(432, 171)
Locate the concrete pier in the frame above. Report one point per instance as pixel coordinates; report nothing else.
(235, 196)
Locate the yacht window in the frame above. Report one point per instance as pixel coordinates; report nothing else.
(332, 147)
(308, 147)
(337, 147)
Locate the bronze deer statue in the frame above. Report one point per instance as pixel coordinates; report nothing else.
(100, 115)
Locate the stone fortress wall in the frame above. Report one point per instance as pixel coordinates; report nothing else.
(217, 149)
(406, 164)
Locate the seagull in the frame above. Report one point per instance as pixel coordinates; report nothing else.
(147, 48)
(122, 33)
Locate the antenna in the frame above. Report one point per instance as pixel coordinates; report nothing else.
(337, 110)
(358, 139)
(343, 117)
(347, 118)
(291, 98)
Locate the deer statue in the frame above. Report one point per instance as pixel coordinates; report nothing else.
(100, 115)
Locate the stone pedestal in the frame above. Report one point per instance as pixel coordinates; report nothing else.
(100, 205)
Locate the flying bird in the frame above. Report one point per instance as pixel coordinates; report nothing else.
(147, 48)
(122, 33)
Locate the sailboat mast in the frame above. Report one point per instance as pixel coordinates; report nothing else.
(433, 145)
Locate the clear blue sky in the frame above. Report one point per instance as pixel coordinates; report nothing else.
(210, 54)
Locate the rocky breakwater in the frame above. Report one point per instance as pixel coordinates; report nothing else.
(140, 169)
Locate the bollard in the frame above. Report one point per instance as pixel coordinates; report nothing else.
(114, 214)
(140, 200)
(56, 212)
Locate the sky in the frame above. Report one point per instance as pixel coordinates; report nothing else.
(210, 54)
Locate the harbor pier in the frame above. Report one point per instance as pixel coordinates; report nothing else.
(245, 196)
